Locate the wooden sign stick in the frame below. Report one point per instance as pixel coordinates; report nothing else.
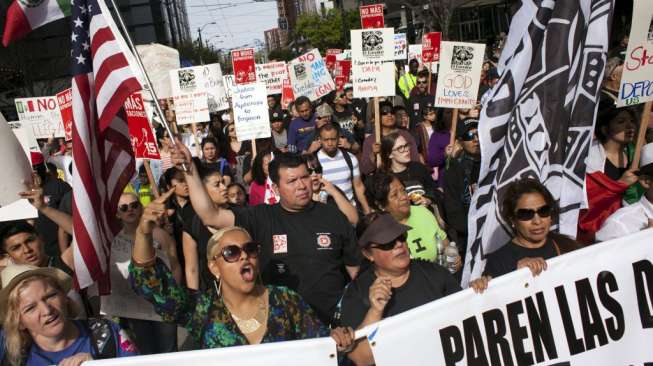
(641, 136)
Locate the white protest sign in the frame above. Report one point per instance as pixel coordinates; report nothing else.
(42, 115)
(460, 74)
(18, 169)
(589, 307)
(272, 74)
(158, 60)
(373, 44)
(191, 99)
(229, 83)
(345, 55)
(251, 111)
(373, 78)
(211, 79)
(25, 138)
(637, 78)
(309, 76)
(415, 52)
(401, 46)
(314, 352)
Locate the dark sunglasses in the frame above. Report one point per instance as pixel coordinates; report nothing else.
(526, 214)
(391, 244)
(231, 253)
(132, 205)
(469, 136)
(316, 170)
(386, 112)
(422, 82)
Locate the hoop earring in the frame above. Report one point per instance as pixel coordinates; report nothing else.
(217, 284)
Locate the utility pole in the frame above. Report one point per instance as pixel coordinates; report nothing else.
(199, 39)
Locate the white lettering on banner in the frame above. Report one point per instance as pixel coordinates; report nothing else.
(593, 306)
(373, 78)
(309, 76)
(313, 352)
(459, 74)
(272, 74)
(42, 114)
(637, 78)
(251, 111)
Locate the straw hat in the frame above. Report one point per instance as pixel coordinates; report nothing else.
(13, 274)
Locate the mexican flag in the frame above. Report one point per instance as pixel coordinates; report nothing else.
(25, 15)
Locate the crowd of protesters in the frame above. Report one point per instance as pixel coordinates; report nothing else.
(318, 230)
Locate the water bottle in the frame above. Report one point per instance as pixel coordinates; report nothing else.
(323, 196)
(451, 256)
(440, 255)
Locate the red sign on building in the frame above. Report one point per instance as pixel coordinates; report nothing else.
(372, 16)
(142, 137)
(431, 47)
(244, 65)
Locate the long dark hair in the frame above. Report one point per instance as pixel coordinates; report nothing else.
(257, 167)
(387, 144)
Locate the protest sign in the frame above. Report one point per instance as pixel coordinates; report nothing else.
(345, 55)
(158, 60)
(65, 102)
(140, 131)
(431, 47)
(330, 58)
(272, 75)
(372, 16)
(373, 44)
(309, 76)
(42, 115)
(637, 78)
(287, 95)
(229, 84)
(244, 66)
(189, 95)
(401, 46)
(373, 78)
(460, 74)
(415, 52)
(251, 111)
(25, 138)
(212, 81)
(313, 352)
(18, 169)
(589, 307)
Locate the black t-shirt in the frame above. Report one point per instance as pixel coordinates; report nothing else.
(427, 282)
(344, 120)
(53, 192)
(198, 231)
(613, 171)
(417, 176)
(305, 251)
(504, 260)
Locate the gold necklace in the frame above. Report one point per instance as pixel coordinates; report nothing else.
(251, 325)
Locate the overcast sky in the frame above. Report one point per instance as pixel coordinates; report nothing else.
(238, 22)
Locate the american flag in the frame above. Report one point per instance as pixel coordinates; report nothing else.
(102, 152)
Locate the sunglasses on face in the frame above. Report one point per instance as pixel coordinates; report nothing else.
(316, 170)
(386, 112)
(424, 82)
(127, 206)
(392, 244)
(526, 214)
(469, 136)
(231, 253)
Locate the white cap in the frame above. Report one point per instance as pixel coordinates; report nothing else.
(647, 155)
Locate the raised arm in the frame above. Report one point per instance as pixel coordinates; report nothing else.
(34, 195)
(210, 214)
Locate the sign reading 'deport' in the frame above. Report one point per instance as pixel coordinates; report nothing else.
(637, 79)
(309, 76)
(460, 74)
(373, 44)
(42, 115)
(244, 65)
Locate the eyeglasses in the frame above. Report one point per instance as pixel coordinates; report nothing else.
(231, 253)
(422, 82)
(386, 112)
(391, 244)
(469, 136)
(526, 214)
(316, 170)
(132, 205)
(402, 148)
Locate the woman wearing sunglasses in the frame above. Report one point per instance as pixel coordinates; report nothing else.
(530, 209)
(392, 284)
(238, 309)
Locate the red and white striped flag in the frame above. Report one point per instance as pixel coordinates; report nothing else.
(102, 152)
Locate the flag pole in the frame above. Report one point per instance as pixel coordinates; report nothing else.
(148, 83)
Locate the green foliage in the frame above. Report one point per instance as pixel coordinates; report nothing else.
(190, 51)
(281, 54)
(327, 31)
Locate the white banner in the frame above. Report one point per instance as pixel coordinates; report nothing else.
(251, 111)
(373, 78)
(373, 44)
(189, 94)
(272, 74)
(313, 352)
(42, 114)
(401, 46)
(460, 74)
(309, 76)
(590, 307)
(158, 60)
(637, 79)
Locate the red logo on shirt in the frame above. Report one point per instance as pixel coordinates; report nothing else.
(280, 244)
(324, 240)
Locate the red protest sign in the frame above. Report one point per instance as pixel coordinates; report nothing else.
(372, 16)
(330, 58)
(431, 47)
(142, 138)
(65, 102)
(287, 95)
(244, 65)
(343, 68)
(340, 81)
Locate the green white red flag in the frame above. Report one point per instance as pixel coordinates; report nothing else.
(24, 16)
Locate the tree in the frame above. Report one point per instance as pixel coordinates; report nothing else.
(327, 31)
(281, 54)
(191, 52)
(441, 13)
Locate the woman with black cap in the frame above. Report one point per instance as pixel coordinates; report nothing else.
(393, 283)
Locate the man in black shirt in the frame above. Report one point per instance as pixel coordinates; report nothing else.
(304, 245)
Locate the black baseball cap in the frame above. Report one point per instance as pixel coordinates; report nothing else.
(465, 125)
(383, 229)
